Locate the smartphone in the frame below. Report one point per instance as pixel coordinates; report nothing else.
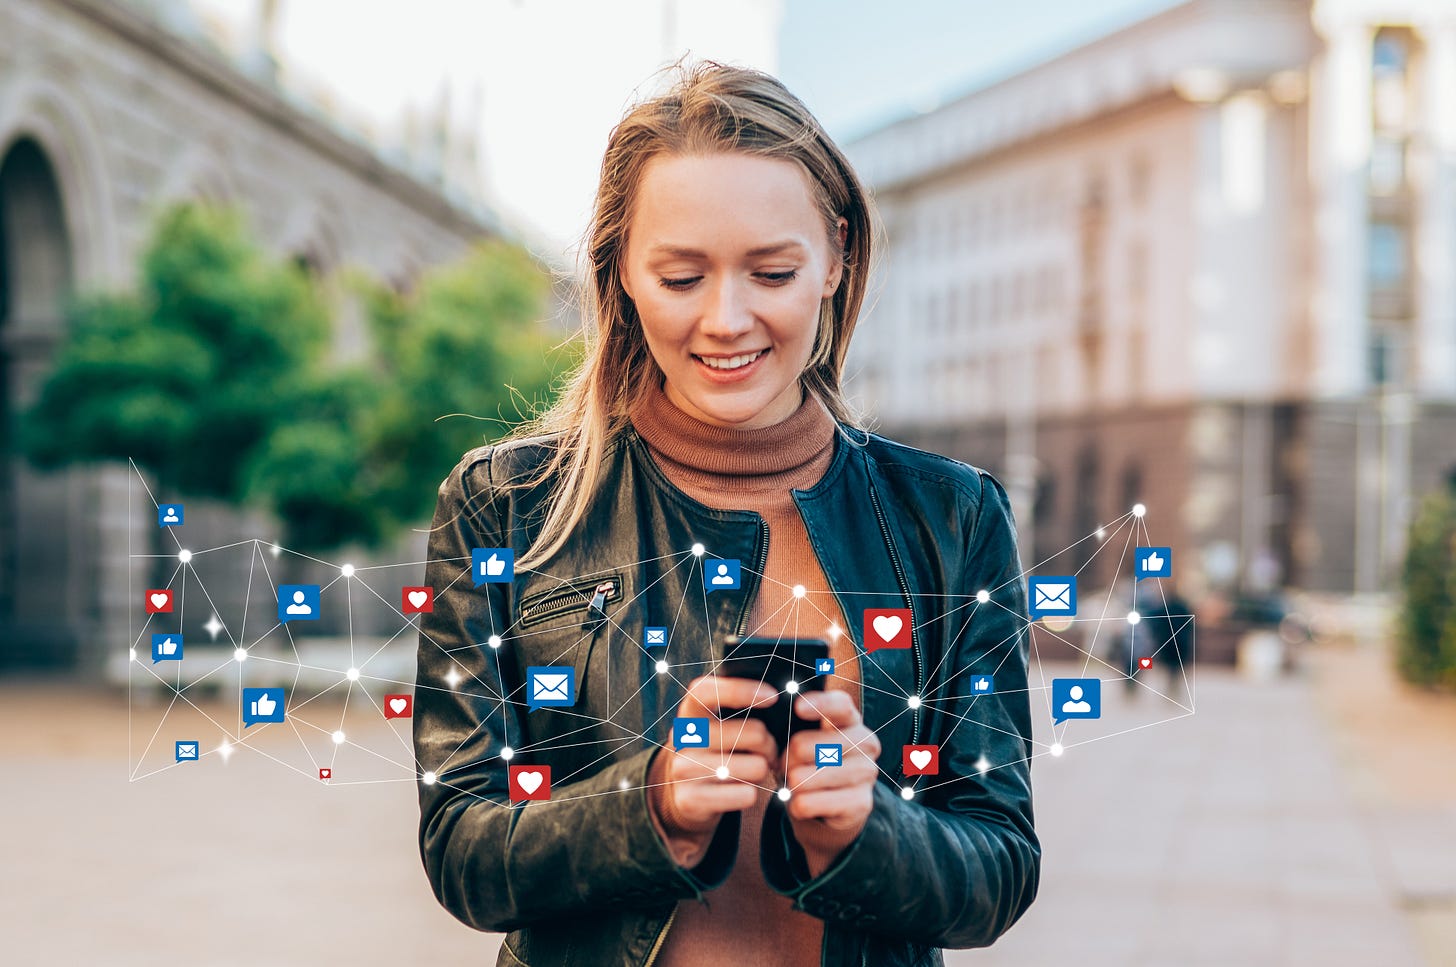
(775, 662)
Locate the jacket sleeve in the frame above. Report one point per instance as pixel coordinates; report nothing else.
(493, 864)
(959, 864)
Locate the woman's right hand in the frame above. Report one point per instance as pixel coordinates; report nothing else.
(694, 787)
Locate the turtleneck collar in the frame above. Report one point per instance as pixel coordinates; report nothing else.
(780, 449)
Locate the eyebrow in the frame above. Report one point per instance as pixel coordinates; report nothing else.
(680, 251)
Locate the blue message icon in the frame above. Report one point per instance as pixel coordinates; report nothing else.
(1076, 698)
(690, 733)
(550, 686)
(824, 666)
(826, 754)
(1153, 562)
(188, 750)
(262, 705)
(492, 565)
(654, 637)
(983, 684)
(166, 648)
(1051, 596)
(721, 575)
(169, 515)
(298, 602)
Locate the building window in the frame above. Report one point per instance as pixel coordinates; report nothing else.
(1389, 257)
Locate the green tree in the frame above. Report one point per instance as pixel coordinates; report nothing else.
(215, 376)
(1426, 652)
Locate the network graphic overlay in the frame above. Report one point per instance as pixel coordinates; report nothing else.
(288, 689)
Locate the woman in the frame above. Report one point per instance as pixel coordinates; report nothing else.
(729, 248)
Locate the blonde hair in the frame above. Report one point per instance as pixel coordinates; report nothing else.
(712, 108)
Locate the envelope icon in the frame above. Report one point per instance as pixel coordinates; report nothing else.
(187, 750)
(550, 687)
(656, 636)
(827, 755)
(1052, 596)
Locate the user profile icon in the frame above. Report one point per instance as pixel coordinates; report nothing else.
(721, 575)
(298, 602)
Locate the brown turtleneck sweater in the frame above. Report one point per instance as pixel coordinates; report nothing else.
(744, 922)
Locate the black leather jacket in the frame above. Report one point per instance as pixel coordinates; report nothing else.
(585, 879)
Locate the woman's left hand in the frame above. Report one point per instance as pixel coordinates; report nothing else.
(828, 806)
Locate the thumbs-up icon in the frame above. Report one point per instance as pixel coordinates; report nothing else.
(1153, 562)
(262, 705)
(166, 648)
(492, 565)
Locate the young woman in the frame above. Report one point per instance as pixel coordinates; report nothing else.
(728, 250)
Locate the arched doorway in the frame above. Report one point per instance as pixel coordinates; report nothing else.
(40, 564)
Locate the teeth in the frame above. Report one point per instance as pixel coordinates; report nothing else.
(732, 362)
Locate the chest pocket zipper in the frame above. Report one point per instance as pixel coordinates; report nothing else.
(594, 594)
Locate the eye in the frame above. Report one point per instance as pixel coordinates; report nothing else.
(780, 278)
(678, 284)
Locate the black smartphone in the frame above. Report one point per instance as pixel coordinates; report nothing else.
(775, 662)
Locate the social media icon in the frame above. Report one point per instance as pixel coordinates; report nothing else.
(655, 637)
(1076, 698)
(159, 601)
(1052, 595)
(1153, 562)
(721, 575)
(921, 760)
(326, 773)
(399, 706)
(1145, 663)
(824, 666)
(169, 515)
(828, 755)
(492, 565)
(417, 600)
(690, 733)
(298, 602)
(887, 628)
(983, 684)
(186, 750)
(166, 648)
(530, 782)
(262, 705)
(550, 686)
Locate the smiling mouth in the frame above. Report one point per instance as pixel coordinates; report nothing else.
(729, 363)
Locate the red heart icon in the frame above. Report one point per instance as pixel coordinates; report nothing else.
(1145, 662)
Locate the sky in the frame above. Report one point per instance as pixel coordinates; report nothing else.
(544, 81)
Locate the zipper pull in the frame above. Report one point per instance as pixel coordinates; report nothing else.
(596, 612)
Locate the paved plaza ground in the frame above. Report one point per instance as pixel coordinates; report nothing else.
(1308, 820)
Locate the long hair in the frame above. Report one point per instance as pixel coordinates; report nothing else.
(712, 108)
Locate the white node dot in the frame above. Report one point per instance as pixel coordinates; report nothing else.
(348, 570)
(428, 778)
(799, 591)
(184, 556)
(275, 550)
(1101, 534)
(507, 752)
(353, 674)
(907, 794)
(1138, 510)
(494, 641)
(914, 701)
(1056, 748)
(338, 738)
(662, 668)
(698, 550)
(983, 596)
(721, 772)
(791, 687)
(225, 750)
(133, 654)
(835, 631)
(452, 677)
(624, 785)
(983, 765)
(240, 654)
(784, 794)
(1133, 617)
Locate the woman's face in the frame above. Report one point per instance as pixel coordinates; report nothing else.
(727, 263)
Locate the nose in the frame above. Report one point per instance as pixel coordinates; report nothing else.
(726, 313)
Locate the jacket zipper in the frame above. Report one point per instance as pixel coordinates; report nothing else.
(905, 591)
(661, 939)
(564, 599)
(762, 560)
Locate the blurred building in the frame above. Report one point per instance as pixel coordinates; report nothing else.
(1207, 262)
(107, 111)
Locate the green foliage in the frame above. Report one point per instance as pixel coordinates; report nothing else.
(1427, 632)
(215, 376)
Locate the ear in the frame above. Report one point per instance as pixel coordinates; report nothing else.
(831, 283)
(622, 278)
